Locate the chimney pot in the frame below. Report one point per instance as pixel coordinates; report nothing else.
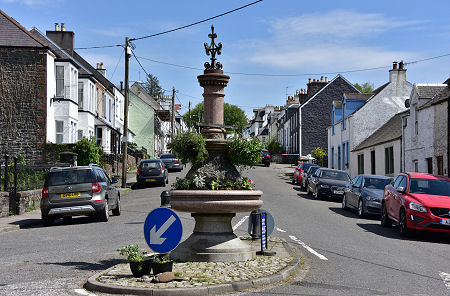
(400, 65)
(309, 80)
(63, 27)
(101, 65)
(326, 79)
(321, 78)
(56, 27)
(98, 66)
(394, 66)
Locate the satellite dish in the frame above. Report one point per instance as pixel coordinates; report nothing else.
(407, 103)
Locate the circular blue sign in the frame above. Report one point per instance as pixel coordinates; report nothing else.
(162, 230)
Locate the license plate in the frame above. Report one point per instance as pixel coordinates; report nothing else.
(338, 192)
(70, 194)
(150, 180)
(445, 222)
(170, 166)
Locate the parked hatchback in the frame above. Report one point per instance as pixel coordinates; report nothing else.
(417, 201)
(328, 183)
(152, 171)
(364, 193)
(78, 191)
(299, 172)
(172, 162)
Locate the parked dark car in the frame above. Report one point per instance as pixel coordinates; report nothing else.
(172, 162)
(265, 158)
(364, 193)
(417, 201)
(307, 175)
(299, 170)
(328, 183)
(78, 191)
(152, 171)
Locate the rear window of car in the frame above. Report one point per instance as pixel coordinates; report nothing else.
(307, 165)
(69, 177)
(167, 156)
(341, 176)
(376, 183)
(429, 186)
(151, 165)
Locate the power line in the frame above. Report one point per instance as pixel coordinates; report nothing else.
(101, 46)
(115, 68)
(196, 23)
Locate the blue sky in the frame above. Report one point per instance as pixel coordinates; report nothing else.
(284, 37)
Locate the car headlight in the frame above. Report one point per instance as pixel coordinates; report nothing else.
(417, 207)
(324, 186)
(373, 198)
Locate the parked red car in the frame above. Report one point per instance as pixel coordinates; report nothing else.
(417, 201)
(299, 172)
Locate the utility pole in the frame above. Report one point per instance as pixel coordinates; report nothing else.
(125, 117)
(173, 113)
(189, 126)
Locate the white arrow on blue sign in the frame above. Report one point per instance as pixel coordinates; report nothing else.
(162, 230)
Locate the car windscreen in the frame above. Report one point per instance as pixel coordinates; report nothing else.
(151, 165)
(167, 156)
(429, 186)
(312, 170)
(307, 165)
(376, 183)
(69, 177)
(341, 176)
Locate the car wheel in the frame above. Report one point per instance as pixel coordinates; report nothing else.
(47, 221)
(344, 203)
(103, 216)
(385, 221)
(403, 224)
(293, 180)
(361, 212)
(116, 211)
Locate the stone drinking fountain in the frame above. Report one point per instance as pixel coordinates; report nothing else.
(213, 239)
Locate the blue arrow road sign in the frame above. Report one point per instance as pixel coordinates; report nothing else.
(162, 230)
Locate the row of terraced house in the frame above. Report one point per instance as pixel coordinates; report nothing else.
(397, 127)
(50, 94)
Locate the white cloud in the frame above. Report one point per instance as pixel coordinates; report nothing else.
(330, 41)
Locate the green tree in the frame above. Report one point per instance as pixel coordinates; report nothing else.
(273, 146)
(152, 86)
(319, 155)
(88, 152)
(232, 116)
(366, 87)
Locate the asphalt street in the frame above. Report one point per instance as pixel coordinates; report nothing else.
(348, 255)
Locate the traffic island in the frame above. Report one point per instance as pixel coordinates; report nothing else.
(206, 278)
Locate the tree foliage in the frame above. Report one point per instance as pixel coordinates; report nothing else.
(190, 147)
(152, 86)
(273, 146)
(366, 87)
(244, 152)
(232, 116)
(319, 155)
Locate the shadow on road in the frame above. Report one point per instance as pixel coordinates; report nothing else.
(101, 265)
(351, 213)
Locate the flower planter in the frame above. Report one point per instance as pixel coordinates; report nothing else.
(138, 269)
(162, 267)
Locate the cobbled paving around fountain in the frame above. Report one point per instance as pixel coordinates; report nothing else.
(199, 274)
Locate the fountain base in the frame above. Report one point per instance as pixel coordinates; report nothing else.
(213, 240)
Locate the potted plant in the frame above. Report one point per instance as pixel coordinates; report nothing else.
(139, 263)
(161, 263)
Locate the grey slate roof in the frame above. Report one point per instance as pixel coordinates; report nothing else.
(443, 95)
(12, 34)
(337, 103)
(428, 91)
(358, 96)
(390, 131)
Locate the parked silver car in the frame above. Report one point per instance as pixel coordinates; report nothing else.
(78, 191)
(172, 162)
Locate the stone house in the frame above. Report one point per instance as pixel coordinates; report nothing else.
(425, 130)
(315, 114)
(357, 117)
(380, 153)
(26, 88)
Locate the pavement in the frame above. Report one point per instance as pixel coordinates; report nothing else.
(32, 218)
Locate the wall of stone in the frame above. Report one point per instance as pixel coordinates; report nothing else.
(316, 116)
(4, 204)
(25, 199)
(23, 102)
(440, 131)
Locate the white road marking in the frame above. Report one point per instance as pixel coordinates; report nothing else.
(240, 222)
(311, 250)
(280, 230)
(446, 278)
(83, 292)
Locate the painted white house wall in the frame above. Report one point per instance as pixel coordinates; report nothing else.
(119, 110)
(334, 141)
(380, 163)
(51, 92)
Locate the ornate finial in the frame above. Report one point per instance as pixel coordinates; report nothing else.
(213, 49)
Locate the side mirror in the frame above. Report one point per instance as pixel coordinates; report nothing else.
(114, 180)
(356, 186)
(401, 189)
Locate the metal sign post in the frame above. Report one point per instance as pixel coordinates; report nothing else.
(263, 228)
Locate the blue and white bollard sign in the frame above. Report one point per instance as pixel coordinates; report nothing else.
(263, 232)
(162, 230)
(267, 224)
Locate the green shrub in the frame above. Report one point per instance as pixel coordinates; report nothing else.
(274, 147)
(190, 147)
(88, 152)
(245, 152)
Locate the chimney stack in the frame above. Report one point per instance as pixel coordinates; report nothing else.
(64, 39)
(101, 69)
(398, 73)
